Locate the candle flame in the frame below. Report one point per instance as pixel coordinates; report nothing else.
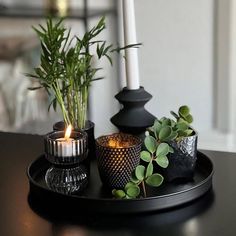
(118, 144)
(68, 132)
(114, 143)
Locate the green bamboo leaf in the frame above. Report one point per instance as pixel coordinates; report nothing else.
(162, 161)
(146, 156)
(162, 150)
(34, 88)
(149, 170)
(150, 144)
(155, 180)
(109, 59)
(140, 172)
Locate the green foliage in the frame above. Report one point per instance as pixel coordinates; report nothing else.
(145, 156)
(131, 190)
(158, 146)
(66, 69)
(140, 172)
(162, 161)
(155, 180)
(150, 144)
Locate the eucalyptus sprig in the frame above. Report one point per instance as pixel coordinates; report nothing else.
(66, 70)
(158, 146)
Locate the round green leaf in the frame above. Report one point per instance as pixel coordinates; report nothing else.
(173, 123)
(162, 149)
(171, 150)
(166, 122)
(182, 126)
(162, 161)
(162, 119)
(189, 118)
(133, 191)
(184, 111)
(181, 120)
(146, 156)
(181, 133)
(188, 132)
(140, 172)
(173, 136)
(165, 133)
(155, 180)
(150, 144)
(118, 193)
(149, 170)
(133, 178)
(156, 128)
(128, 185)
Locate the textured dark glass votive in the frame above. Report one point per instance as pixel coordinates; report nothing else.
(66, 175)
(66, 153)
(117, 155)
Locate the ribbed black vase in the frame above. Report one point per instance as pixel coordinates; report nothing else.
(183, 161)
(89, 129)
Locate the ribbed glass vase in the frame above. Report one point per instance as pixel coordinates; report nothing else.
(66, 181)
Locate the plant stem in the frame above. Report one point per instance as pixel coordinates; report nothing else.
(59, 97)
(144, 189)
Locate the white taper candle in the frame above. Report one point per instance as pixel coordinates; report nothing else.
(131, 54)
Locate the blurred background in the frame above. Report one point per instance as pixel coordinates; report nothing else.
(188, 57)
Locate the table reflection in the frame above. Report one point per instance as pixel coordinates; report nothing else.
(70, 221)
(69, 230)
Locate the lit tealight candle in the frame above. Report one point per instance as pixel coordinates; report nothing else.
(66, 147)
(112, 143)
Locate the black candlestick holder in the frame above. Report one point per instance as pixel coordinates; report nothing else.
(133, 118)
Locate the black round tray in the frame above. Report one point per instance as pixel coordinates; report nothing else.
(97, 199)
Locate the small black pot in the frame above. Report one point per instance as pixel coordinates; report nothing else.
(89, 129)
(183, 161)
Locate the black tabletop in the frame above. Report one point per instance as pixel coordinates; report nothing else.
(212, 214)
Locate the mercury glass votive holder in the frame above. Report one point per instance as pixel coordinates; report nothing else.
(117, 155)
(67, 175)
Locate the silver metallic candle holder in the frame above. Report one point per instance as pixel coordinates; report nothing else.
(66, 175)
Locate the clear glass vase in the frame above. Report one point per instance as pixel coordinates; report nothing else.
(66, 180)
